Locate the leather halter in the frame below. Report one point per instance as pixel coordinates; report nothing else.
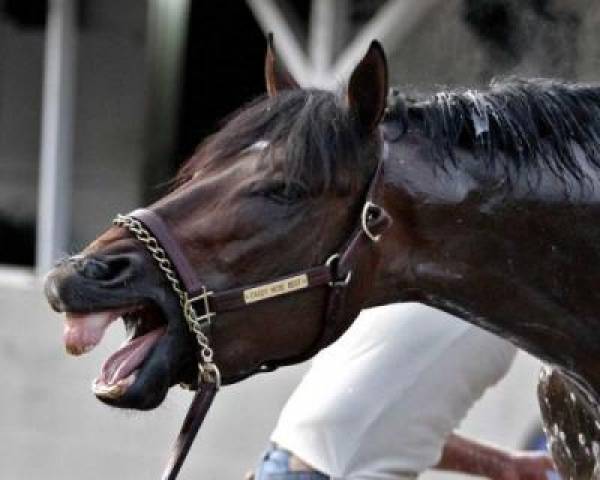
(352, 268)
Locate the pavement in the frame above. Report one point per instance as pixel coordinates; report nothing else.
(52, 427)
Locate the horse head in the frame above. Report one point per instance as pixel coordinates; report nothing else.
(277, 190)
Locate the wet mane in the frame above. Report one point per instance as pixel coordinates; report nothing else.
(536, 124)
(533, 125)
(314, 129)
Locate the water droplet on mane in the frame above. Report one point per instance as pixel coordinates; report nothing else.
(596, 449)
(568, 450)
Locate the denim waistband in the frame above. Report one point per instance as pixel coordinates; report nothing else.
(274, 465)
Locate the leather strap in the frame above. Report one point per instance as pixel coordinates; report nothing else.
(234, 299)
(201, 403)
(225, 300)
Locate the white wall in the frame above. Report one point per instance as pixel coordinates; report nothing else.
(109, 116)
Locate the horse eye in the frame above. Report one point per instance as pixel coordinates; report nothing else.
(282, 192)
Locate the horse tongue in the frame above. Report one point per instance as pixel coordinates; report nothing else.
(83, 332)
(128, 358)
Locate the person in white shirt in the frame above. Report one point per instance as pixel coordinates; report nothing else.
(382, 402)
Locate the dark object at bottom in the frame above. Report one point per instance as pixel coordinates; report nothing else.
(193, 421)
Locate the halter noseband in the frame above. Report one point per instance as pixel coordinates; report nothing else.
(201, 306)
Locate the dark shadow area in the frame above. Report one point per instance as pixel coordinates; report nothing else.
(26, 13)
(223, 69)
(17, 241)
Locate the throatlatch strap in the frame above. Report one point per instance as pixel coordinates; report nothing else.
(193, 421)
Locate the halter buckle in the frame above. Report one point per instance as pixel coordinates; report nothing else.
(205, 318)
(365, 217)
(332, 263)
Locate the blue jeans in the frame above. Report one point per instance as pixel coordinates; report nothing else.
(274, 465)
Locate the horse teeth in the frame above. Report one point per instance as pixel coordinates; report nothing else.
(113, 391)
(107, 391)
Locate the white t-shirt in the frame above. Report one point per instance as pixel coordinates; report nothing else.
(380, 402)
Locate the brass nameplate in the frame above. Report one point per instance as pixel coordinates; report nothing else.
(275, 289)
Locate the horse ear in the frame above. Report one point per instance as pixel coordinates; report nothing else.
(276, 78)
(368, 87)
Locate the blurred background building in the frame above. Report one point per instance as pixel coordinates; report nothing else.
(102, 100)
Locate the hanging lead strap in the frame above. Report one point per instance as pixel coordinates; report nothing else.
(203, 399)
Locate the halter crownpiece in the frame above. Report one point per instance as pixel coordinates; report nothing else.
(201, 306)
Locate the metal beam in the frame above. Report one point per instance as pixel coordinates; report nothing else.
(328, 26)
(271, 19)
(167, 35)
(392, 22)
(56, 151)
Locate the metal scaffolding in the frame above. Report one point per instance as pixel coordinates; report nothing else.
(57, 134)
(328, 24)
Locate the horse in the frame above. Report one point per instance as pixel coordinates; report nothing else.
(484, 204)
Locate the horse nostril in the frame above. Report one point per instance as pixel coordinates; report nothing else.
(95, 270)
(106, 268)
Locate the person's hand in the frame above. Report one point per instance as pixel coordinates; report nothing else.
(525, 466)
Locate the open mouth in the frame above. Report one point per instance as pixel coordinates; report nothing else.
(144, 325)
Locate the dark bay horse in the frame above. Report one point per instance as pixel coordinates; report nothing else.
(495, 211)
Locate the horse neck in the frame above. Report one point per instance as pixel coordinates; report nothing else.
(511, 263)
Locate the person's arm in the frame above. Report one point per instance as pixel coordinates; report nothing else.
(464, 455)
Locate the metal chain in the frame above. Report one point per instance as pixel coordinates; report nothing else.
(195, 322)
